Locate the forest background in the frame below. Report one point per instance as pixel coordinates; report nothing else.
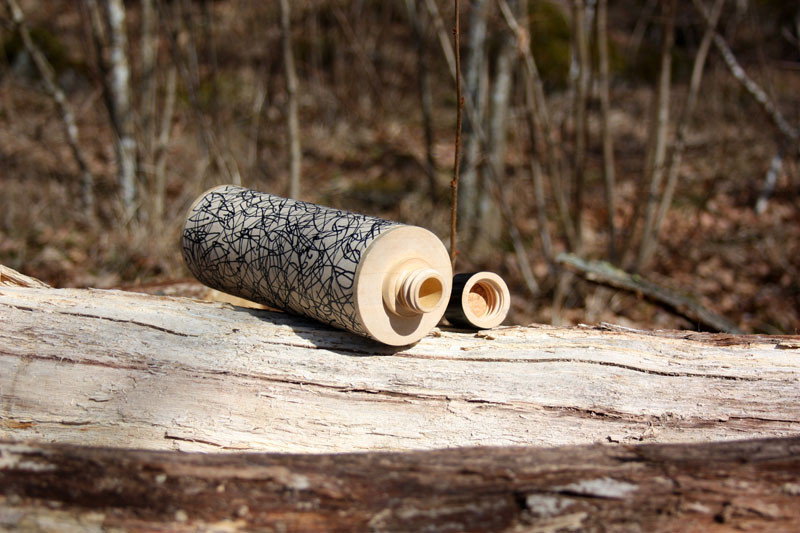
(660, 137)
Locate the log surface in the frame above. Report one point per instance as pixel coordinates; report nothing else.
(110, 368)
(740, 485)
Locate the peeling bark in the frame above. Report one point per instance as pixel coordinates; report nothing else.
(702, 487)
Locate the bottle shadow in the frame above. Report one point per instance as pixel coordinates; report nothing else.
(321, 336)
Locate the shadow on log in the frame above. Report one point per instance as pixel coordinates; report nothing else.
(743, 484)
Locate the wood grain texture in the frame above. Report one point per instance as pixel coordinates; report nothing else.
(740, 485)
(109, 368)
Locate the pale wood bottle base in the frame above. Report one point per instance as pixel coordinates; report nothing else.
(403, 284)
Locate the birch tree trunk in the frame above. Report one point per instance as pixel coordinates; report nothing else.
(120, 99)
(475, 96)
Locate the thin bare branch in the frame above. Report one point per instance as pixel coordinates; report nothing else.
(542, 130)
(425, 97)
(160, 152)
(441, 33)
(457, 156)
(791, 133)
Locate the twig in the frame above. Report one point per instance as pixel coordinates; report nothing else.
(457, 157)
(606, 274)
(537, 108)
(441, 33)
(581, 101)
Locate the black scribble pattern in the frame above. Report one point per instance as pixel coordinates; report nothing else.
(287, 254)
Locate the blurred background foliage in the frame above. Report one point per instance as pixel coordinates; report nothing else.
(205, 100)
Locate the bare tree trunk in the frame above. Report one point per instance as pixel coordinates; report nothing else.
(259, 98)
(442, 35)
(131, 370)
(147, 78)
(659, 142)
(291, 91)
(119, 86)
(683, 126)
(605, 130)
(544, 144)
(425, 96)
(71, 132)
(468, 187)
(160, 151)
(579, 109)
(489, 229)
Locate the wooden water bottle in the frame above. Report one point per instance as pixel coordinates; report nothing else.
(370, 276)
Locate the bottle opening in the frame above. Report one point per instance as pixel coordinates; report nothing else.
(421, 291)
(485, 299)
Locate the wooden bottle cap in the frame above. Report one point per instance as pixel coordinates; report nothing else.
(479, 300)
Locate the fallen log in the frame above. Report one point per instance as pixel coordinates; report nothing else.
(604, 273)
(741, 485)
(125, 370)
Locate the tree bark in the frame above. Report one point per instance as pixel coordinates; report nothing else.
(108, 368)
(742, 485)
(580, 104)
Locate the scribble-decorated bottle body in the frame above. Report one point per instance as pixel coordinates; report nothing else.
(314, 261)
